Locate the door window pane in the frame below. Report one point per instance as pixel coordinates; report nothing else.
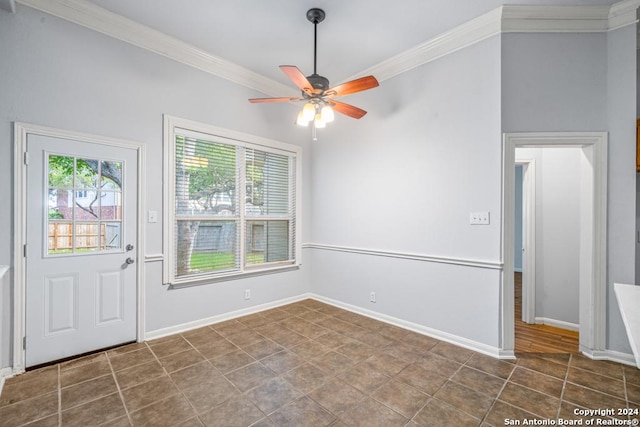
(111, 175)
(59, 204)
(87, 173)
(60, 237)
(87, 237)
(110, 205)
(61, 171)
(111, 236)
(84, 205)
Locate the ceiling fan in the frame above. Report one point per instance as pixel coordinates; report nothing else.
(320, 98)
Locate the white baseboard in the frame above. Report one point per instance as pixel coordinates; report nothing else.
(488, 350)
(4, 374)
(610, 355)
(444, 336)
(183, 327)
(517, 269)
(557, 323)
(424, 330)
(507, 355)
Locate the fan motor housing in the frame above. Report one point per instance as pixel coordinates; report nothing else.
(318, 82)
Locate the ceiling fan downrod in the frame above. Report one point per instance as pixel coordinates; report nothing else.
(315, 16)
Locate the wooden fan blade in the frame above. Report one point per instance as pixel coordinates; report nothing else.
(357, 85)
(347, 109)
(261, 100)
(297, 78)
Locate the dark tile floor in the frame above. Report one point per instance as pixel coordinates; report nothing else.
(311, 364)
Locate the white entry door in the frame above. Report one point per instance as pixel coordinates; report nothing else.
(81, 258)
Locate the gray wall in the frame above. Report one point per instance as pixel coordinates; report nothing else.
(637, 229)
(554, 82)
(621, 107)
(406, 181)
(583, 82)
(558, 183)
(517, 246)
(403, 179)
(637, 84)
(637, 174)
(58, 74)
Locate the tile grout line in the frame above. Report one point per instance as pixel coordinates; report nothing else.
(390, 378)
(209, 362)
(443, 384)
(422, 408)
(115, 379)
(564, 385)
(589, 387)
(173, 382)
(280, 375)
(60, 409)
(493, 404)
(330, 375)
(627, 391)
(626, 394)
(546, 375)
(59, 396)
(284, 349)
(450, 378)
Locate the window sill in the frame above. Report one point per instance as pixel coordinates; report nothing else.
(231, 276)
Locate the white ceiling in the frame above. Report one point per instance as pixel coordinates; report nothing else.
(262, 34)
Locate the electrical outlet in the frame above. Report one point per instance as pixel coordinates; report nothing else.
(479, 218)
(247, 294)
(372, 297)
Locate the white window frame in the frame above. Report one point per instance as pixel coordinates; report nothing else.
(218, 134)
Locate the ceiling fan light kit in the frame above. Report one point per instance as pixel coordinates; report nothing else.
(319, 98)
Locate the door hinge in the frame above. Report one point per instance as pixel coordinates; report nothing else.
(26, 158)
(24, 343)
(24, 251)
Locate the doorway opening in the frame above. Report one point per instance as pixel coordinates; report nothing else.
(539, 338)
(589, 254)
(545, 330)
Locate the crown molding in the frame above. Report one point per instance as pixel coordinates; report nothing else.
(623, 13)
(555, 19)
(504, 19)
(509, 19)
(464, 35)
(8, 5)
(113, 25)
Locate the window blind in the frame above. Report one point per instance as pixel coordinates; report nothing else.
(234, 206)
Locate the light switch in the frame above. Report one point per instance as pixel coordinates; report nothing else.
(479, 218)
(153, 216)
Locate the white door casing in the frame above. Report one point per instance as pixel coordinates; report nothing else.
(71, 303)
(528, 239)
(593, 238)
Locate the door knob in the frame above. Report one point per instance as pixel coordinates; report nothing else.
(129, 261)
(129, 247)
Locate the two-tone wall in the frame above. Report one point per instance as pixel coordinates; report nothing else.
(58, 74)
(386, 199)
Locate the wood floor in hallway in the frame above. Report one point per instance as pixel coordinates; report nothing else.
(540, 338)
